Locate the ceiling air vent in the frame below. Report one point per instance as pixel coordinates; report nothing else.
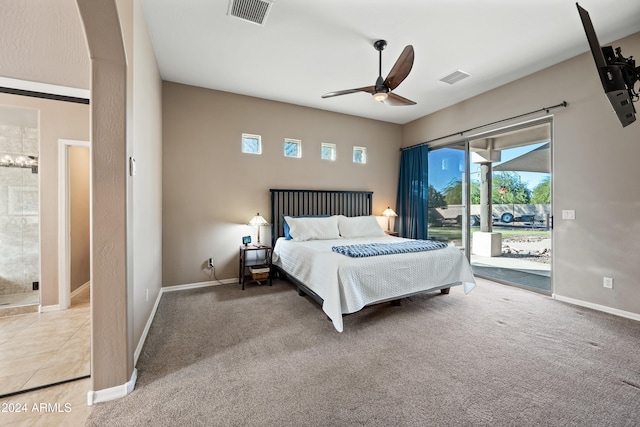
(255, 11)
(455, 77)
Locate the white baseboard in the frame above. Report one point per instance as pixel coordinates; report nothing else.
(603, 308)
(198, 285)
(143, 337)
(48, 308)
(80, 289)
(114, 392)
(56, 307)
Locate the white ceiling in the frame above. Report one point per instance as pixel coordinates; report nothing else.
(306, 49)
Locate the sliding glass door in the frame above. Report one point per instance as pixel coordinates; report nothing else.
(490, 195)
(448, 195)
(517, 247)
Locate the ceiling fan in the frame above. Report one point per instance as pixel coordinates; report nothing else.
(381, 91)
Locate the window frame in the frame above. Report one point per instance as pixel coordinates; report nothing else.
(334, 151)
(296, 142)
(258, 138)
(363, 155)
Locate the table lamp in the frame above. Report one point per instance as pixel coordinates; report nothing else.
(389, 213)
(258, 221)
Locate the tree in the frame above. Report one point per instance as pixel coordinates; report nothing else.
(435, 198)
(453, 192)
(542, 192)
(516, 191)
(474, 191)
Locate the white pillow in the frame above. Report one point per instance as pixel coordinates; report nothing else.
(359, 226)
(313, 228)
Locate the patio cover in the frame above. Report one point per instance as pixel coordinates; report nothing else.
(538, 160)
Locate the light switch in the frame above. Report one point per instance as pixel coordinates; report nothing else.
(569, 214)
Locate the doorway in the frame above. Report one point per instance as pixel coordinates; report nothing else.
(490, 195)
(517, 248)
(74, 219)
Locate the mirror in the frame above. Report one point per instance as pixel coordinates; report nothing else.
(43, 341)
(19, 210)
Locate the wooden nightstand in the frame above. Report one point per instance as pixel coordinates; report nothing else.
(260, 263)
(393, 233)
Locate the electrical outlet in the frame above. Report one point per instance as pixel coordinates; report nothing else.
(607, 282)
(210, 263)
(569, 214)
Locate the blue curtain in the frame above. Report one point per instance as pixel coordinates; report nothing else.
(413, 187)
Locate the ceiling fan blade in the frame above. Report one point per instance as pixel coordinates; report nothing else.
(397, 100)
(368, 89)
(400, 69)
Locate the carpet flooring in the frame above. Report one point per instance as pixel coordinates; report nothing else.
(500, 356)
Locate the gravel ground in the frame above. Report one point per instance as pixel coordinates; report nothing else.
(509, 251)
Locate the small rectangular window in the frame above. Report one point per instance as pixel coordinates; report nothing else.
(328, 151)
(292, 148)
(360, 155)
(251, 144)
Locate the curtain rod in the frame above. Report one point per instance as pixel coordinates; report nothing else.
(546, 109)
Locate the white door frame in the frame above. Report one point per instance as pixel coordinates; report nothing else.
(549, 121)
(64, 276)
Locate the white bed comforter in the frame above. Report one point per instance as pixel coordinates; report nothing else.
(347, 284)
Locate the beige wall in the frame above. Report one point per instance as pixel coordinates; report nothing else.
(79, 217)
(146, 189)
(111, 320)
(48, 36)
(211, 189)
(595, 172)
(58, 120)
(127, 214)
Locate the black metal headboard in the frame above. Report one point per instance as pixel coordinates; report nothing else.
(316, 202)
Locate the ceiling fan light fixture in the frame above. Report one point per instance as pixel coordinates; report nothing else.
(380, 96)
(382, 90)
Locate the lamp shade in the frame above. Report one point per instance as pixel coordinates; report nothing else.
(389, 213)
(258, 220)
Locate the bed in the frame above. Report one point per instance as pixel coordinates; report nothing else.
(311, 229)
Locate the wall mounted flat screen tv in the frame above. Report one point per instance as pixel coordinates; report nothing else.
(618, 74)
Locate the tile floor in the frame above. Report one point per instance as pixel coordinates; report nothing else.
(21, 299)
(61, 405)
(44, 348)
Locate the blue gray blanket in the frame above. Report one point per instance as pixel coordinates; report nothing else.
(362, 250)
